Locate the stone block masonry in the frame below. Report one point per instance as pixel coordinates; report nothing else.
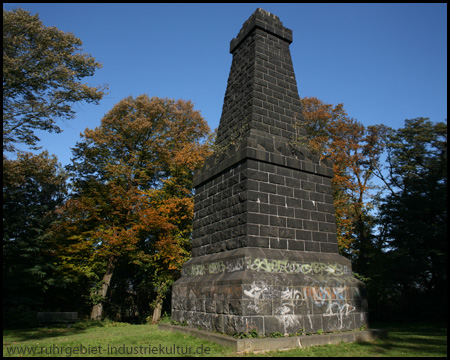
(262, 204)
(264, 246)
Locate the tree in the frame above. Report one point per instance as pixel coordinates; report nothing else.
(33, 186)
(413, 215)
(355, 152)
(133, 193)
(42, 69)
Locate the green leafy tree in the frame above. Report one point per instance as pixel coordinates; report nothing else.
(133, 194)
(413, 216)
(33, 186)
(42, 72)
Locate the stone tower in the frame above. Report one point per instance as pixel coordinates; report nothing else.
(264, 248)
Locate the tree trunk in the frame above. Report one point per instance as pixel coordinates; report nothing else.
(157, 313)
(97, 309)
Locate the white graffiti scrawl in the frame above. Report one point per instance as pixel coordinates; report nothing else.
(257, 288)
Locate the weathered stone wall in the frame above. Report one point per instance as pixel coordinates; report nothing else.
(263, 204)
(271, 291)
(264, 249)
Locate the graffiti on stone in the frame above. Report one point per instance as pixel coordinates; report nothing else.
(334, 298)
(196, 270)
(291, 294)
(267, 265)
(257, 288)
(291, 321)
(286, 266)
(216, 267)
(282, 310)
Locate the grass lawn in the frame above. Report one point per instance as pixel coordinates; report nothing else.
(118, 339)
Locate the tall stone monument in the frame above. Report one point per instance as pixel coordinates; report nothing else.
(264, 248)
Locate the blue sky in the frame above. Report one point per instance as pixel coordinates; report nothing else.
(384, 62)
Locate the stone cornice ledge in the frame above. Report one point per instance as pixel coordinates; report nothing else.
(249, 148)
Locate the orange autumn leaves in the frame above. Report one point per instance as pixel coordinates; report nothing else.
(355, 151)
(133, 183)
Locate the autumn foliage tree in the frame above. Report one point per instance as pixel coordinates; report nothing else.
(355, 151)
(133, 198)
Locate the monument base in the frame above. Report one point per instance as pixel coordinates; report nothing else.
(269, 290)
(281, 343)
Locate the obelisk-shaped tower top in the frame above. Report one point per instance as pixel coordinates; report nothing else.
(263, 20)
(261, 100)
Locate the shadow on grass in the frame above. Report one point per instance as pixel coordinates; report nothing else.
(425, 339)
(48, 332)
